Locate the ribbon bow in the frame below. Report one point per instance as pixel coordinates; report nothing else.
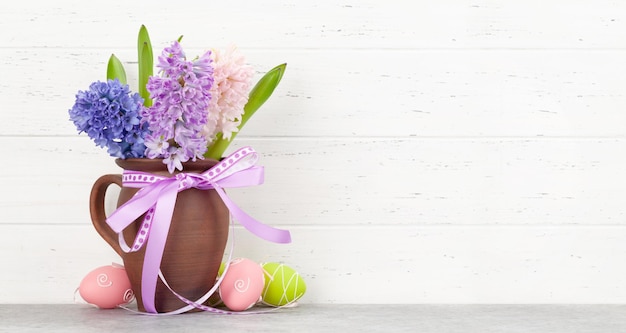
(157, 197)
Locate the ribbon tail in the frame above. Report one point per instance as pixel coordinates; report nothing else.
(264, 231)
(156, 244)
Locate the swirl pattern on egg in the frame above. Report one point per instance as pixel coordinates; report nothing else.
(241, 285)
(103, 281)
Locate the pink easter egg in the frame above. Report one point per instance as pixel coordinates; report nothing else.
(106, 287)
(242, 285)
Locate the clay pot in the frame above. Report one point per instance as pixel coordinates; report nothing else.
(195, 243)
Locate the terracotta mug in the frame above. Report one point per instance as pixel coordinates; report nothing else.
(195, 242)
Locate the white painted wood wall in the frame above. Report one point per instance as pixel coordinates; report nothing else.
(419, 151)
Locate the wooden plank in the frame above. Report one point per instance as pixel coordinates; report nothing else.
(375, 264)
(322, 24)
(361, 181)
(359, 93)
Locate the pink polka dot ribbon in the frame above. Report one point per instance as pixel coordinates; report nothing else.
(157, 196)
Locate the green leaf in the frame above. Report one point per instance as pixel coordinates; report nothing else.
(258, 96)
(115, 70)
(146, 63)
(262, 91)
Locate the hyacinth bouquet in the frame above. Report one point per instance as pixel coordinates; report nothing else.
(192, 109)
(184, 115)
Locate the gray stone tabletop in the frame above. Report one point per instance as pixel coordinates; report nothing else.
(325, 318)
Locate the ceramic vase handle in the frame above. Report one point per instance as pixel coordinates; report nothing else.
(96, 209)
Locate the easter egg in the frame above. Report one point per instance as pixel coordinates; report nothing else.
(106, 287)
(242, 284)
(220, 271)
(215, 300)
(283, 285)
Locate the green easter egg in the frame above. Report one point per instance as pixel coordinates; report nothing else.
(215, 300)
(221, 270)
(283, 285)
